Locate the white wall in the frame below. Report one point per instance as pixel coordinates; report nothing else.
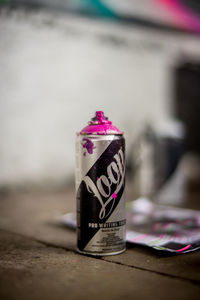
(56, 70)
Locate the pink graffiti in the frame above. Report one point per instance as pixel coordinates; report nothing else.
(183, 249)
(114, 195)
(182, 16)
(140, 237)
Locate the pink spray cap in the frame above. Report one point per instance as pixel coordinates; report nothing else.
(100, 125)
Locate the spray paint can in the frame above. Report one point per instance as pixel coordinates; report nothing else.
(100, 182)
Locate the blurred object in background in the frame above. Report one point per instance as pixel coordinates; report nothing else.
(187, 101)
(156, 155)
(171, 168)
(187, 109)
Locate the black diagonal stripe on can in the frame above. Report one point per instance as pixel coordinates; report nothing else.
(89, 204)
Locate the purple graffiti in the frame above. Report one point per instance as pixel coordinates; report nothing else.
(88, 145)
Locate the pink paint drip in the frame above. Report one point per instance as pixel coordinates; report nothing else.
(99, 125)
(183, 249)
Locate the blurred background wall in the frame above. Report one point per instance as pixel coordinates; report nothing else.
(61, 62)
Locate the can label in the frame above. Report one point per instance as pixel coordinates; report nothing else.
(100, 194)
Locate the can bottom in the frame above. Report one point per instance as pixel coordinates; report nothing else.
(100, 253)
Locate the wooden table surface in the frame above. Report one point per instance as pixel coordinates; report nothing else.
(38, 258)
